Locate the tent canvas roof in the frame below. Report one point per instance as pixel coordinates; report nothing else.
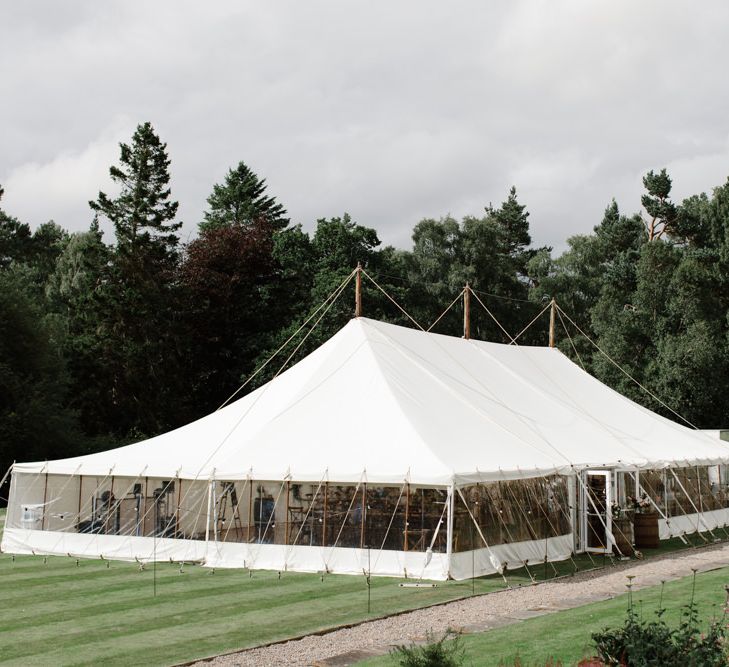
(385, 403)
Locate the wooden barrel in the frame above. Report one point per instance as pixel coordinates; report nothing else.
(623, 534)
(646, 530)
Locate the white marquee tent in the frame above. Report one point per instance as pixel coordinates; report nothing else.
(386, 446)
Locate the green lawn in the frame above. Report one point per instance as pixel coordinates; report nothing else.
(565, 636)
(58, 613)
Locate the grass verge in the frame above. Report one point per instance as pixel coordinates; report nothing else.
(565, 636)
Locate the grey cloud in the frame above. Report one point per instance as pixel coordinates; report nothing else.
(391, 111)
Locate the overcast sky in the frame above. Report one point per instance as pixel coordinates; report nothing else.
(392, 111)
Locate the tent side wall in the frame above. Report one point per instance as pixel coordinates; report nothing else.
(688, 499)
(503, 525)
(281, 524)
(398, 530)
(410, 530)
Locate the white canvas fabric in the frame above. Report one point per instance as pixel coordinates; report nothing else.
(420, 565)
(110, 547)
(687, 524)
(504, 557)
(383, 403)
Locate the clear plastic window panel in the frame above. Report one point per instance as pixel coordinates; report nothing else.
(652, 484)
(401, 518)
(511, 511)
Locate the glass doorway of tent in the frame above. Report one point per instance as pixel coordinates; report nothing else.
(596, 499)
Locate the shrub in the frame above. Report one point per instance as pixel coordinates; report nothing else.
(445, 652)
(640, 643)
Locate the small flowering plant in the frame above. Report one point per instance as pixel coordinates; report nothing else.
(619, 511)
(642, 505)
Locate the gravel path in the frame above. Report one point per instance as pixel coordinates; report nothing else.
(343, 647)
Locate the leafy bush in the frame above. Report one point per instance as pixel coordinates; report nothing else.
(640, 643)
(445, 652)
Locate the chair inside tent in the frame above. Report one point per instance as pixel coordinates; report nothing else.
(391, 451)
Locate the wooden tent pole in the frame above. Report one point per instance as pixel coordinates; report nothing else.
(358, 291)
(45, 498)
(552, 313)
(286, 520)
(177, 508)
(111, 501)
(80, 489)
(324, 518)
(407, 516)
(467, 312)
(363, 516)
(144, 515)
(250, 511)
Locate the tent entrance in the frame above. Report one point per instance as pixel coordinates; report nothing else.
(596, 519)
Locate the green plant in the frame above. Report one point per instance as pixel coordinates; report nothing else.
(444, 652)
(640, 643)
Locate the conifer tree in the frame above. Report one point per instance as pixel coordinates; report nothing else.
(242, 200)
(138, 359)
(143, 212)
(660, 209)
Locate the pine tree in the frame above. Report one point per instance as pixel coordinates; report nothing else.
(241, 200)
(138, 358)
(142, 213)
(514, 220)
(657, 204)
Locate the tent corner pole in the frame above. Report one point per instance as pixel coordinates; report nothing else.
(574, 517)
(207, 517)
(45, 499)
(449, 525)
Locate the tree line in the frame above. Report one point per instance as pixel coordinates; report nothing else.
(103, 342)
